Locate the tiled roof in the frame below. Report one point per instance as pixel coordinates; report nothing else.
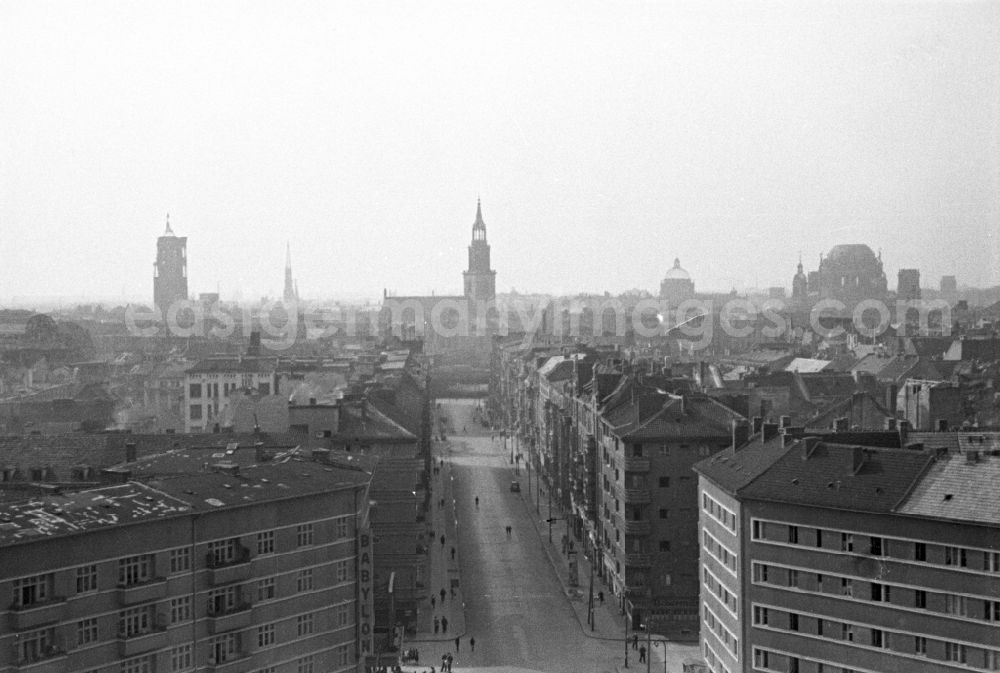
(807, 365)
(369, 423)
(733, 470)
(861, 411)
(955, 488)
(828, 477)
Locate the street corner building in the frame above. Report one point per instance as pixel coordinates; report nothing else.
(849, 552)
(228, 569)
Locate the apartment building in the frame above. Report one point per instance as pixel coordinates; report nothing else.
(820, 557)
(262, 568)
(211, 383)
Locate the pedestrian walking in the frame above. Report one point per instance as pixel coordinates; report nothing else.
(444, 625)
(442, 503)
(472, 643)
(452, 553)
(437, 624)
(458, 643)
(433, 601)
(450, 659)
(635, 641)
(442, 542)
(477, 502)
(600, 597)
(508, 530)
(444, 662)
(642, 654)
(443, 594)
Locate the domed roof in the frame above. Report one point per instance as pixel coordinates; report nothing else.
(852, 254)
(677, 273)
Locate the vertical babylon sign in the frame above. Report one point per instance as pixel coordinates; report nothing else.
(365, 599)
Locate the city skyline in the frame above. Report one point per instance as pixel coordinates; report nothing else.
(733, 140)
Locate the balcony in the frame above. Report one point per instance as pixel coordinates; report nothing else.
(635, 495)
(639, 560)
(37, 614)
(234, 662)
(130, 646)
(236, 618)
(51, 658)
(226, 572)
(638, 527)
(151, 590)
(636, 464)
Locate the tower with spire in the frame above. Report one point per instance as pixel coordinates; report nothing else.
(170, 283)
(480, 279)
(291, 293)
(800, 285)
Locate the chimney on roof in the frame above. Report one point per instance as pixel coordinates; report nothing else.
(972, 456)
(259, 455)
(785, 421)
(891, 394)
(130, 452)
(942, 425)
(789, 434)
(890, 424)
(768, 432)
(809, 445)
(758, 423)
(904, 432)
(841, 424)
(741, 433)
(227, 468)
(112, 476)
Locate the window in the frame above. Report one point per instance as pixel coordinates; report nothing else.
(793, 534)
(342, 615)
(819, 537)
(793, 578)
(342, 528)
(955, 605)
(819, 582)
(142, 664)
(304, 665)
(86, 579)
(86, 631)
(755, 530)
(664, 513)
(875, 546)
(224, 648)
(134, 570)
(264, 388)
(304, 534)
(919, 551)
(955, 652)
(846, 586)
(343, 571)
(180, 609)
(266, 589)
(342, 655)
(819, 627)
(847, 632)
(759, 615)
(664, 545)
(880, 592)
(846, 542)
(304, 580)
(991, 561)
(265, 542)
(760, 659)
(265, 635)
(668, 579)
(920, 645)
(955, 556)
(194, 390)
(920, 598)
(304, 624)
(181, 658)
(224, 551)
(32, 590)
(180, 560)
(224, 601)
(991, 611)
(135, 621)
(760, 572)
(195, 412)
(664, 482)
(879, 638)
(793, 621)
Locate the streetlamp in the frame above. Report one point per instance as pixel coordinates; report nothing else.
(550, 520)
(664, 644)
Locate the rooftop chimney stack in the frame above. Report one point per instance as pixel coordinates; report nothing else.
(130, 452)
(741, 433)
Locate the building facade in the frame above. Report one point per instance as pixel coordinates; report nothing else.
(212, 383)
(170, 281)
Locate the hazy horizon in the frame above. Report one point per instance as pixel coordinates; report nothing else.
(604, 140)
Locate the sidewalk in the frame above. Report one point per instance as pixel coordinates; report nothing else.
(444, 571)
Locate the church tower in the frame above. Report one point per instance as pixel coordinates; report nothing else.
(800, 284)
(291, 288)
(170, 283)
(480, 279)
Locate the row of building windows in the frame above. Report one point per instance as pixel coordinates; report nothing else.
(716, 626)
(894, 595)
(866, 635)
(717, 511)
(715, 664)
(139, 569)
(721, 553)
(719, 590)
(876, 545)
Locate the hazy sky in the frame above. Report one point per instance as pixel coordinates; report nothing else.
(604, 139)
